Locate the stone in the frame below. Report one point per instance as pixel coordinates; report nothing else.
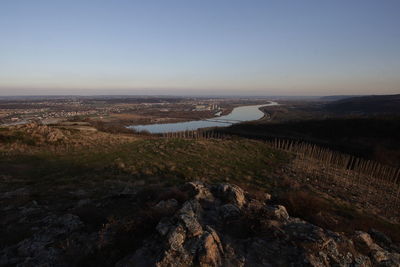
(380, 255)
(364, 241)
(231, 193)
(200, 191)
(176, 237)
(229, 211)
(277, 212)
(210, 249)
(39, 249)
(380, 237)
(164, 225)
(187, 214)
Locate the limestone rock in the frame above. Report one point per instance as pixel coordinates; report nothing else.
(278, 212)
(188, 216)
(164, 226)
(200, 191)
(213, 233)
(229, 211)
(364, 240)
(379, 255)
(216, 226)
(210, 249)
(176, 237)
(231, 193)
(40, 249)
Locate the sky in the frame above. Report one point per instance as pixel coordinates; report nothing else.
(226, 47)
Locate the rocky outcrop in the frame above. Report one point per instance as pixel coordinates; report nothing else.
(46, 247)
(379, 256)
(29, 137)
(218, 226)
(230, 193)
(42, 133)
(213, 225)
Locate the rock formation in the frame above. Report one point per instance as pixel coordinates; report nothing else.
(206, 231)
(218, 225)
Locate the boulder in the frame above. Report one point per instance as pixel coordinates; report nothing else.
(41, 249)
(199, 191)
(229, 211)
(380, 238)
(379, 255)
(231, 194)
(164, 225)
(364, 241)
(277, 212)
(187, 214)
(211, 250)
(176, 238)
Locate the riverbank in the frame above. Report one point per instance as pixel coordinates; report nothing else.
(238, 114)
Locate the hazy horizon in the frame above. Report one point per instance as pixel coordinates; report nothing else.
(252, 48)
(166, 93)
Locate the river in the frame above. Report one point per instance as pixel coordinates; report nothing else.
(238, 114)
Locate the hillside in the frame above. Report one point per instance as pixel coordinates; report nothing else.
(374, 138)
(336, 97)
(119, 200)
(389, 104)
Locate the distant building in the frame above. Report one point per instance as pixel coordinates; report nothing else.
(202, 107)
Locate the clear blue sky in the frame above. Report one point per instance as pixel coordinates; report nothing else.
(275, 47)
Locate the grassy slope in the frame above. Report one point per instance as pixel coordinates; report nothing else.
(60, 180)
(151, 158)
(373, 138)
(54, 179)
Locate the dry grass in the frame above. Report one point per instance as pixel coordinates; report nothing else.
(334, 214)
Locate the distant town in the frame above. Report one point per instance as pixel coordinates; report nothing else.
(50, 110)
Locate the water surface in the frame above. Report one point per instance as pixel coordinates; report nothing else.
(239, 114)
